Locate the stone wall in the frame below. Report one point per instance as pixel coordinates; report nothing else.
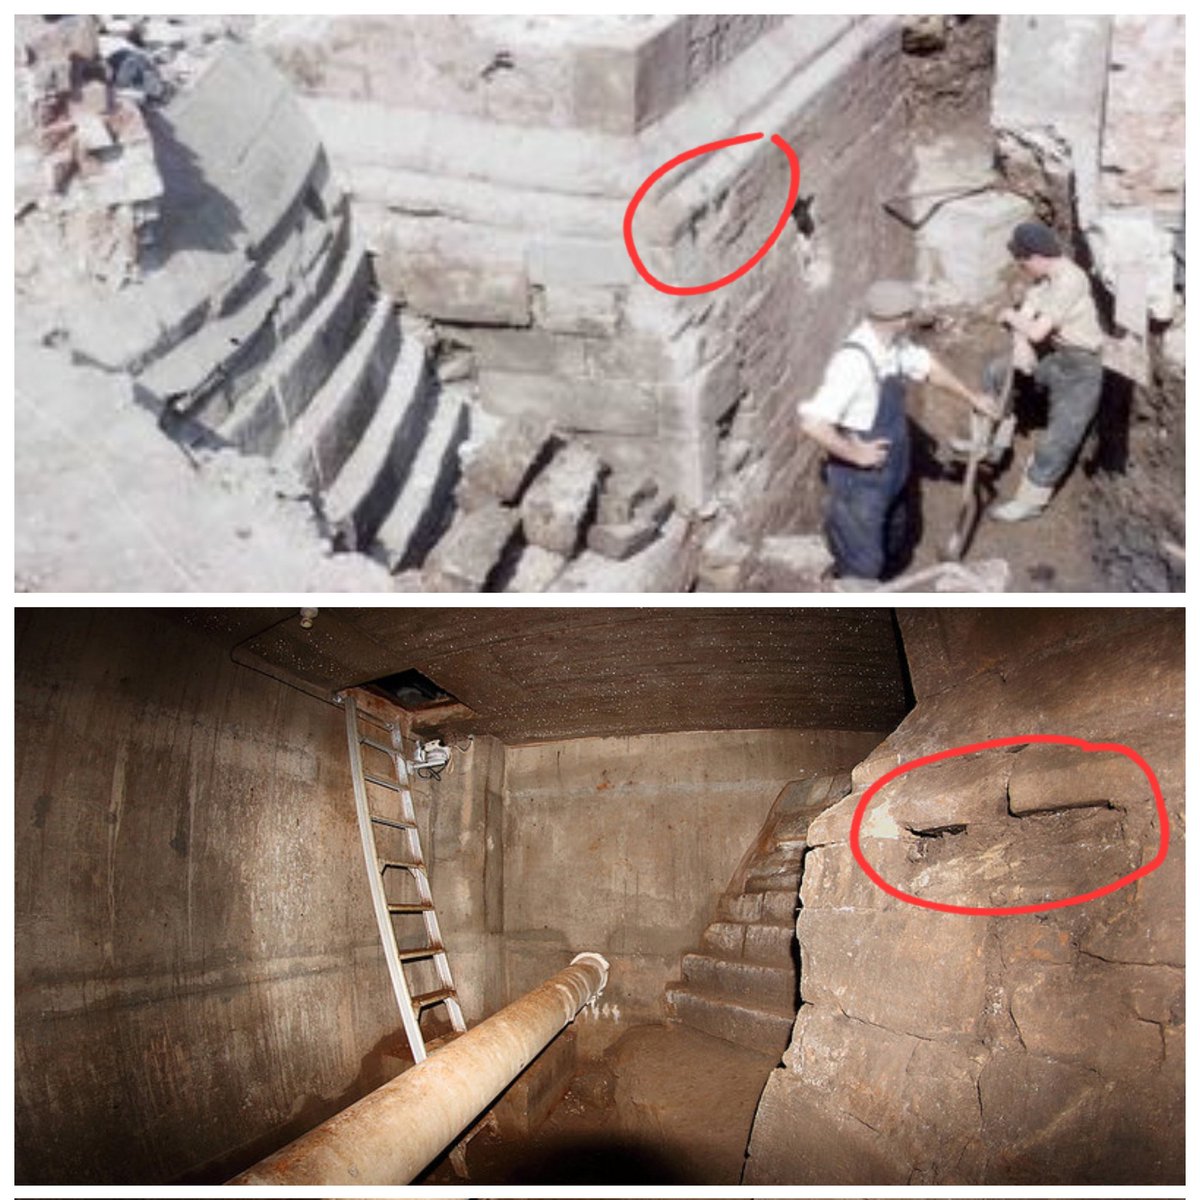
(199, 978)
(503, 223)
(951, 1049)
(623, 846)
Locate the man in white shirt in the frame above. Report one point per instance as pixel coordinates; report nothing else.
(858, 417)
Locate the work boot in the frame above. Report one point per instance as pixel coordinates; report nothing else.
(1030, 500)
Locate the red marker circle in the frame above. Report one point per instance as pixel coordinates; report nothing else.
(1015, 909)
(756, 258)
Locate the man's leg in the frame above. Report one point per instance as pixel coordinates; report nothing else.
(1074, 380)
(855, 519)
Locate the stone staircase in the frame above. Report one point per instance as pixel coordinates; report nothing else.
(742, 984)
(275, 339)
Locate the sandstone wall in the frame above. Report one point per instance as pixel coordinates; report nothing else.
(1048, 1048)
(503, 222)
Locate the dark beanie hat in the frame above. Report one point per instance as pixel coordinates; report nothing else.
(1032, 237)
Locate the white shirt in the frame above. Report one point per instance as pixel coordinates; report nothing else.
(849, 395)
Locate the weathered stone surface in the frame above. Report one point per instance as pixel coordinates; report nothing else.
(1044, 778)
(865, 1097)
(666, 565)
(757, 984)
(1068, 1017)
(743, 1024)
(472, 546)
(536, 570)
(621, 541)
(1088, 1015)
(844, 955)
(556, 502)
(499, 467)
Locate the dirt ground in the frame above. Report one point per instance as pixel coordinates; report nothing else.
(667, 1105)
(1055, 552)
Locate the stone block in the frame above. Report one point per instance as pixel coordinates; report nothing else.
(962, 250)
(1038, 1117)
(756, 984)
(870, 1101)
(591, 311)
(796, 562)
(725, 937)
(668, 564)
(531, 1097)
(850, 961)
(527, 351)
(780, 906)
(1080, 1016)
(470, 549)
(570, 404)
(740, 908)
(619, 542)
(623, 493)
(499, 467)
(554, 506)
(603, 91)
(768, 943)
(579, 262)
(743, 1024)
(536, 569)
(472, 292)
(1045, 778)
(1052, 73)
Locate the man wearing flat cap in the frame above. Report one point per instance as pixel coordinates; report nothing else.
(1057, 340)
(858, 417)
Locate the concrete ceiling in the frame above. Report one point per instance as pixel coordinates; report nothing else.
(530, 674)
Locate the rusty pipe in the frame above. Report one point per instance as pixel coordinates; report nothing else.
(391, 1134)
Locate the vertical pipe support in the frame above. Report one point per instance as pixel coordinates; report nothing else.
(393, 1133)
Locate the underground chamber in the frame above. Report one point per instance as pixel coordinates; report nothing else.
(638, 831)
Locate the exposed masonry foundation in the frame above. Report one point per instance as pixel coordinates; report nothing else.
(389, 270)
(1011, 1049)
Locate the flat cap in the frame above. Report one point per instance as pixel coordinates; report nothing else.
(1032, 237)
(888, 299)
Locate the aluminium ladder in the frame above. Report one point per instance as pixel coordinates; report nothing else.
(411, 861)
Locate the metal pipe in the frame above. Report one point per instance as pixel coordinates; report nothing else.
(393, 1133)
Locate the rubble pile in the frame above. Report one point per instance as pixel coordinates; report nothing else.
(87, 186)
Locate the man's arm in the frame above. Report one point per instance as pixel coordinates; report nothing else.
(942, 377)
(858, 453)
(1034, 327)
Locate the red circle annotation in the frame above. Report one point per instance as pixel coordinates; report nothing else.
(1015, 909)
(754, 259)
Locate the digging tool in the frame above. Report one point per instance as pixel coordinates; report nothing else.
(968, 513)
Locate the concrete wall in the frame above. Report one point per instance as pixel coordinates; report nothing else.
(944, 1048)
(198, 973)
(623, 846)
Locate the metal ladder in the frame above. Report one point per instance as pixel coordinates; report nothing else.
(411, 861)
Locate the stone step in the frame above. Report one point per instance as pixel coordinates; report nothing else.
(228, 354)
(774, 907)
(770, 987)
(325, 434)
(777, 871)
(477, 544)
(367, 485)
(743, 1024)
(317, 273)
(423, 510)
(304, 362)
(751, 941)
